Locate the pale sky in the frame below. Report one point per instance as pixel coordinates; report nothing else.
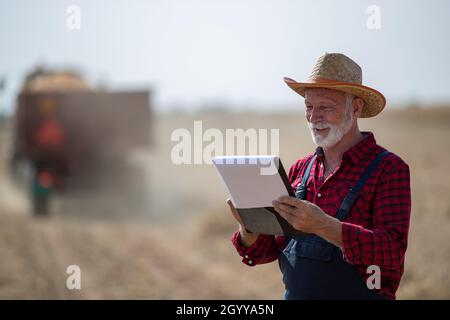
(194, 53)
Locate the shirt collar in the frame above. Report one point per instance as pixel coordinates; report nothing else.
(358, 151)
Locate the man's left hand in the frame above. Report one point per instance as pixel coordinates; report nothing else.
(301, 214)
(309, 218)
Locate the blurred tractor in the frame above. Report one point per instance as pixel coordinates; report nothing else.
(68, 132)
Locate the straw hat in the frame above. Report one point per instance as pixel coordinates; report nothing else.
(339, 72)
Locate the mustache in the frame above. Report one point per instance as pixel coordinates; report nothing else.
(319, 125)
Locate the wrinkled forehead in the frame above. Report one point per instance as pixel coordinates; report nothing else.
(324, 94)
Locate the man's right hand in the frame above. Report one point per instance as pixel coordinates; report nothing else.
(247, 238)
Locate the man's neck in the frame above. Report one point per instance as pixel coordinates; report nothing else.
(333, 155)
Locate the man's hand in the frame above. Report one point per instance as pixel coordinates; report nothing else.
(247, 239)
(309, 218)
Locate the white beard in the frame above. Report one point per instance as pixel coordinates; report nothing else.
(336, 131)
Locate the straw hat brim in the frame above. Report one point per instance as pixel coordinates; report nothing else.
(374, 101)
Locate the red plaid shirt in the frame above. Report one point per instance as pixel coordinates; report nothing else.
(375, 232)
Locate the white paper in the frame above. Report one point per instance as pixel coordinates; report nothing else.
(248, 182)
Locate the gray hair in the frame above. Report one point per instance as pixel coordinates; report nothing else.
(349, 99)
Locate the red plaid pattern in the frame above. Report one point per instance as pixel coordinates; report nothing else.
(375, 232)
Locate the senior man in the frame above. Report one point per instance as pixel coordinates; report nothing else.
(353, 197)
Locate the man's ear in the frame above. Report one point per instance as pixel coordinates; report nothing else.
(357, 105)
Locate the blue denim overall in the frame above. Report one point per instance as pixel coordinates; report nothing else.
(312, 267)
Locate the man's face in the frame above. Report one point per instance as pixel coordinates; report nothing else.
(329, 115)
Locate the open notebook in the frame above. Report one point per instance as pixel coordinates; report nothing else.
(253, 182)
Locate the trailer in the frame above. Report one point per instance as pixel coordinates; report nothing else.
(67, 131)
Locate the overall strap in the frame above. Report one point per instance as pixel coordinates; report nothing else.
(352, 195)
(301, 188)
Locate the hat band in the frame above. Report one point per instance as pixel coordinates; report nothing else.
(318, 80)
